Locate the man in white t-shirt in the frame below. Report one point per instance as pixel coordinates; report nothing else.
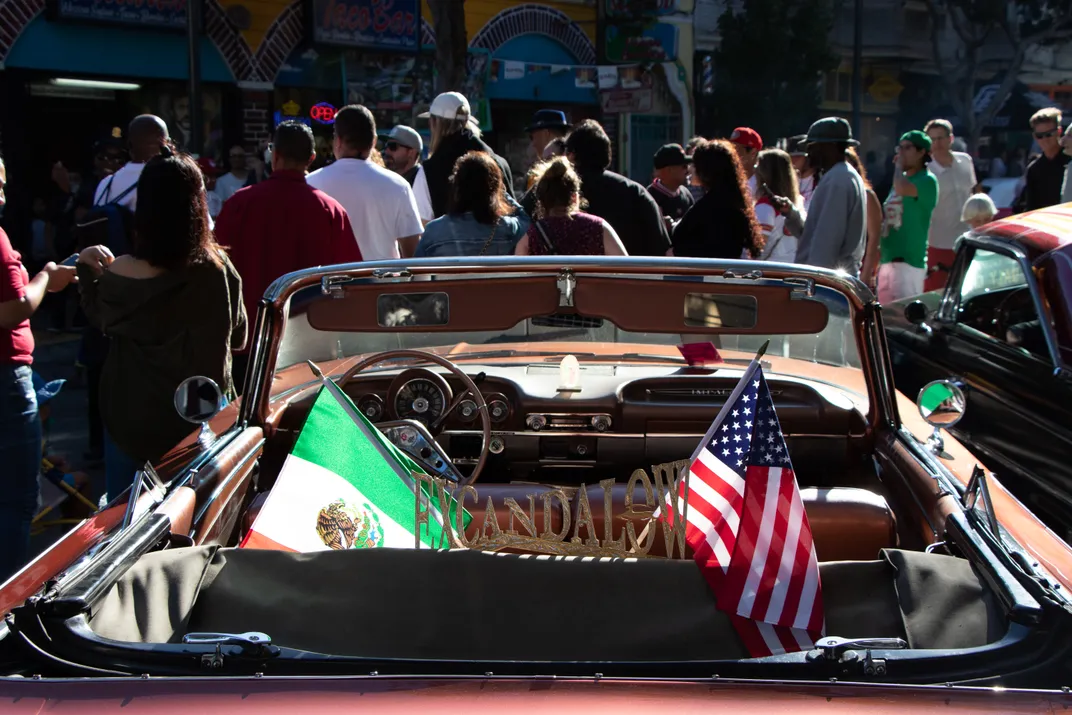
(380, 203)
(237, 177)
(956, 179)
(146, 134)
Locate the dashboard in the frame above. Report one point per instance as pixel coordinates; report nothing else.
(622, 416)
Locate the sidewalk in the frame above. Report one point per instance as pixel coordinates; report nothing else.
(68, 430)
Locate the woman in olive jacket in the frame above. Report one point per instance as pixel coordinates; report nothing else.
(172, 308)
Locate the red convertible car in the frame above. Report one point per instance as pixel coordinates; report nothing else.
(551, 395)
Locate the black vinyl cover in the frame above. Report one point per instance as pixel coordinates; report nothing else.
(464, 605)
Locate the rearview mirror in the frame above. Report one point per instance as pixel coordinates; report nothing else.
(942, 404)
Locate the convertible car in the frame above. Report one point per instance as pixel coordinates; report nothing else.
(557, 399)
(1001, 330)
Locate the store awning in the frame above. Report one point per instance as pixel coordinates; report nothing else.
(113, 51)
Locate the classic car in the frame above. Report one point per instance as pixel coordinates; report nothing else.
(1002, 329)
(562, 392)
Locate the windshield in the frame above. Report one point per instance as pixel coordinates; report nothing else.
(591, 340)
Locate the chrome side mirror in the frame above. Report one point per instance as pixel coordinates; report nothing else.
(941, 404)
(916, 314)
(198, 399)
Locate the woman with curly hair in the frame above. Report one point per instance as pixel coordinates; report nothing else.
(560, 227)
(722, 224)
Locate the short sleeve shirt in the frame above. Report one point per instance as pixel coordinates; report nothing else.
(907, 222)
(16, 345)
(380, 204)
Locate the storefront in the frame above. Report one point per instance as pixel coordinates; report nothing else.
(82, 69)
(524, 58)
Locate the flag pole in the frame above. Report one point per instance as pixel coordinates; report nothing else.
(688, 470)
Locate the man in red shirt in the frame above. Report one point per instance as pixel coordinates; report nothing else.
(20, 430)
(282, 225)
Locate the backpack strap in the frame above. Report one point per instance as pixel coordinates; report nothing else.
(123, 194)
(107, 190)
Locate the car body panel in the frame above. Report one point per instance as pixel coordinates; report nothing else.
(478, 696)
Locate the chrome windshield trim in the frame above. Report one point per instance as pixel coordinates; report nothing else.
(416, 268)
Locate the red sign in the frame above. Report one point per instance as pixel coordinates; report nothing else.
(323, 113)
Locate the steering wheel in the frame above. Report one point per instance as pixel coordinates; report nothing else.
(1004, 313)
(470, 389)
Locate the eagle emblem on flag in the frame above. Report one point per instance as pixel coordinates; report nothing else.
(341, 526)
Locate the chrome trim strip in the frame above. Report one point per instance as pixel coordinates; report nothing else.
(252, 454)
(622, 435)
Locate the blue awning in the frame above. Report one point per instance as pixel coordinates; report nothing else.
(119, 51)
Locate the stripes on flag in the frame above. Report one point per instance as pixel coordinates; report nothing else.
(746, 525)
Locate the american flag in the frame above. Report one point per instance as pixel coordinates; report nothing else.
(746, 525)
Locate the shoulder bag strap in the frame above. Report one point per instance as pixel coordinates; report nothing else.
(490, 236)
(546, 241)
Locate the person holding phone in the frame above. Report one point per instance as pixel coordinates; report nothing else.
(20, 429)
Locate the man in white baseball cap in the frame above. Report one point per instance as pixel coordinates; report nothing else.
(455, 133)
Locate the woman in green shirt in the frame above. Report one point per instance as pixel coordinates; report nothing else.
(903, 262)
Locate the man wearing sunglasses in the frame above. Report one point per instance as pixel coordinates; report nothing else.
(402, 155)
(1046, 174)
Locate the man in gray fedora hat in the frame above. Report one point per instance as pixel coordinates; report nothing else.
(835, 230)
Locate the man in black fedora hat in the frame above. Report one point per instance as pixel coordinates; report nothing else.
(835, 230)
(547, 125)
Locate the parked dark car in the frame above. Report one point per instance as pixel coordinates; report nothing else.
(1002, 328)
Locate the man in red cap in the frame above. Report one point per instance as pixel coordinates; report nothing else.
(748, 144)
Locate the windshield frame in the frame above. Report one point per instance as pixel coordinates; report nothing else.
(870, 343)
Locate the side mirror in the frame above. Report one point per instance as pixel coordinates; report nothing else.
(198, 399)
(915, 312)
(941, 404)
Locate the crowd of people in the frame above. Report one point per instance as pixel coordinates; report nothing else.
(171, 257)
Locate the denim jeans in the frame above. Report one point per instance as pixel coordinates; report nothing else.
(20, 462)
(119, 468)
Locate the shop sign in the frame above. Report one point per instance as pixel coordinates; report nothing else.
(385, 24)
(652, 43)
(290, 112)
(143, 13)
(622, 101)
(323, 113)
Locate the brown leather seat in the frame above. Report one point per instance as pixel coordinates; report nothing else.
(847, 524)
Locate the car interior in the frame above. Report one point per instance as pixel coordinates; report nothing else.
(897, 560)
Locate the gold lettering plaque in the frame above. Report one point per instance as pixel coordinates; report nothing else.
(570, 525)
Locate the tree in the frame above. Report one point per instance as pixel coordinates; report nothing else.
(769, 64)
(452, 44)
(1019, 25)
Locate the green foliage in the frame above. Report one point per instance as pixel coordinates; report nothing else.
(769, 64)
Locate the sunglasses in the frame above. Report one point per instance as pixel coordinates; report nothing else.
(1045, 135)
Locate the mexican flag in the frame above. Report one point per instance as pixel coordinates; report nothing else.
(345, 486)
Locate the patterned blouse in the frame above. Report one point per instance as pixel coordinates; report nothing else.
(578, 235)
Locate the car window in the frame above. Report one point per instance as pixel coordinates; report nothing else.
(995, 299)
